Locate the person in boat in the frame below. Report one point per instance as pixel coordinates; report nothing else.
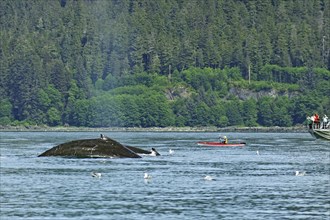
(325, 121)
(224, 140)
(317, 120)
(310, 120)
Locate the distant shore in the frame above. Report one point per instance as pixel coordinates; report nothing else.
(297, 129)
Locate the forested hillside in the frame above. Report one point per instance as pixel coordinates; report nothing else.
(101, 63)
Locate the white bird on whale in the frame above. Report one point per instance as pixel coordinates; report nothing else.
(103, 137)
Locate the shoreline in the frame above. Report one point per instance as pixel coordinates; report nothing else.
(297, 129)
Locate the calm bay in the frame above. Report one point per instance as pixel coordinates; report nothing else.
(253, 182)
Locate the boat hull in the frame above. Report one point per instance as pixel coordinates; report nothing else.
(320, 133)
(218, 144)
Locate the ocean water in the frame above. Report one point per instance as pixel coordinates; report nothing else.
(253, 182)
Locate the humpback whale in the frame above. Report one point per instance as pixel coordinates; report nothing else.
(103, 147)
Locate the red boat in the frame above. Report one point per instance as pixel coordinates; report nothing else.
(219, 144)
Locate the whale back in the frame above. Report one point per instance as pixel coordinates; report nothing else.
(91, 148)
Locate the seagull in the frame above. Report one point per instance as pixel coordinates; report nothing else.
(208, 178)
(258, 152)
(300, 173)
(103, 137)
(94, 174)
(171, 151)
(147, 176)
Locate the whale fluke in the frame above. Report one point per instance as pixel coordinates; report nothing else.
(153, 152)
(137, 150)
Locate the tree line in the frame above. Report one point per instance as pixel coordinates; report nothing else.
(163, 63)
(193, 97)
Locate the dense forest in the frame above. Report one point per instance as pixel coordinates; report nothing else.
(145, 63)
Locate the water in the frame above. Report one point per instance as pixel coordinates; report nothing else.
(245, 186)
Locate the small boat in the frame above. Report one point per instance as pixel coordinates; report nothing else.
(319, 130)
(219, 144)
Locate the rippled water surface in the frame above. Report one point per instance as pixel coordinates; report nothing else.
(245, 186)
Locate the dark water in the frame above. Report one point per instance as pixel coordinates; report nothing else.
(246, 185)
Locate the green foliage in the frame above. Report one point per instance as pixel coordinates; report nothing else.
(5, 112)
(281, 112)
(275, 112)
(124, 110)
(54, 116)
(233, 113)
(162, 63)
(265, 111)
(5, 108)
(249, 113)
(266, 85)
(130, 90)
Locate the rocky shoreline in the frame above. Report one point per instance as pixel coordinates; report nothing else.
(297, 129)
